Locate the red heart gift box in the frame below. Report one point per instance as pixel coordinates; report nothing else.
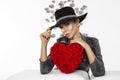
(67, 57)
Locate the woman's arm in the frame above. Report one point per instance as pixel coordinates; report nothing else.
(90, 54)
(95, 58)
(43, 56)
(92, 48)
(46, 63)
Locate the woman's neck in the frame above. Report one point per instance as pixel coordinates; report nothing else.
(76, 36)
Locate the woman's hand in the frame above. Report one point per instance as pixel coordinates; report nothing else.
(45, 36)
(81, 42)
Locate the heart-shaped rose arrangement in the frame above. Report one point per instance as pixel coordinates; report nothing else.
(67, 57)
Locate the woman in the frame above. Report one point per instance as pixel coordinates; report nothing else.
(69, 24)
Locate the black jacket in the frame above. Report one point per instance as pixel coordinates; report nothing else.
(97, 67)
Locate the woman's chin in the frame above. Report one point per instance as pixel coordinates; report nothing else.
(69, 37)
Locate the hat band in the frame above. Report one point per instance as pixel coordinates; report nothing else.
(66, 17)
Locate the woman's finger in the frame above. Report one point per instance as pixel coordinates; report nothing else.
(48, 34)
(48, 29)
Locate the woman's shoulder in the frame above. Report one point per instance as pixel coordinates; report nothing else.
(92, 39)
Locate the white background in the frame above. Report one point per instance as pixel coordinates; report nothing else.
(21, 22)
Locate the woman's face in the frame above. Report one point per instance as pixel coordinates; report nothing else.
(70, 28)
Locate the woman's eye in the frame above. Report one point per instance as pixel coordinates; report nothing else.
(61, 27)
(67, 23)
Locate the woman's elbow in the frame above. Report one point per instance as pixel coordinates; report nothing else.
(44, 71)
(100, 73)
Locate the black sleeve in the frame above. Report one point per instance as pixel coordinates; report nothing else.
(46, 66)
(97, 67)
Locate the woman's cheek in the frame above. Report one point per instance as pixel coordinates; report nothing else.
(70, 28)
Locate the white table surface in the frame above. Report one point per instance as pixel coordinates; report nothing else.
(110, 75)
(57, 75)
(53, 75)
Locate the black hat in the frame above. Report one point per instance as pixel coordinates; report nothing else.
(65, 14)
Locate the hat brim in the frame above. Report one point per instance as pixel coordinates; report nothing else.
(81, 18)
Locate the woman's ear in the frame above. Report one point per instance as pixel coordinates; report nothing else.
(77, 22)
